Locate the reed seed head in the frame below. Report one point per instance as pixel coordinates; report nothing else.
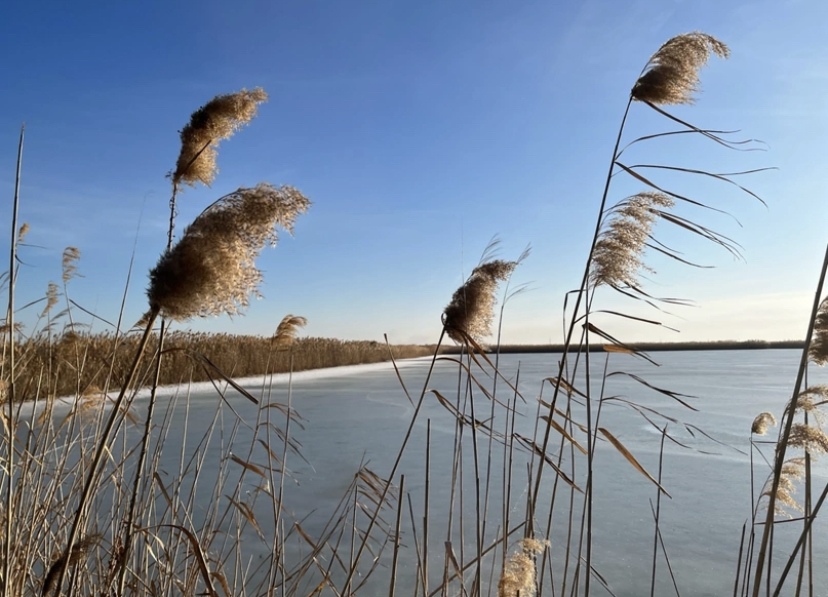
(616, 259)
(792, 470)
(71, 255)
(288, 329)
(211, 270)
(809, 438)
(471, 310)
(218, 119)
(762, 422)
(818, 350)
(51, 298)
(518, 577)
(671, 76)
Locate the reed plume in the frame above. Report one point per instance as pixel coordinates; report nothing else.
(211, 270)
(518, 578)
(218, 119)
(71, 255)
(51, 298)
(21, 234)
(288, 329)
(671, 76)
(792, 470)
(809, 438)
(616, 259)
(818, 350)
(762, 422)
(471, 311)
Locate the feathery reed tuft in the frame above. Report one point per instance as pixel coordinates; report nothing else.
(211, 270)
(71, 255)
(818, 350)
(471, 310)
(762, 422)
(218, 119)
(288, 329)
(518, 578)
(809, 438)
(671, 76)
(21, 234)
(616, 260)
(51, 298)
(792, 470)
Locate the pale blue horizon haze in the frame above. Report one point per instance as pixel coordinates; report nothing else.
(420, 131)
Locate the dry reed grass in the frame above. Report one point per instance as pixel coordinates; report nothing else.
(617, 257)
(762, 422)
(471, 311)
(671, 76)
(212, 269)
(217, 120)
(107, 359)
(288, 329)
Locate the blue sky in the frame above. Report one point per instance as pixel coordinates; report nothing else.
(420, 130)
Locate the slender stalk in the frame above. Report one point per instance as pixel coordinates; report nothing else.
(427, 493)
(387, 488)
(139, 469)
(397, 528)
(578, 300)
(94, 468)
(7, 551)
(786, 432)
(658, 512)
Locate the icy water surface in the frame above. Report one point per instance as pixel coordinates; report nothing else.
(358, 417)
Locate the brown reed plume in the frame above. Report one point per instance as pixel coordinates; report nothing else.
(762, 422)
(616, 259)
(792, 470)
(671, 76)
(819, 339)
(218, 119)
(808, 437)
(71, 255)
(211, 270)
(471, 311)
(288, 329)
(518, 578)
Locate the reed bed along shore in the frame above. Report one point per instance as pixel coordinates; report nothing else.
(84, 364)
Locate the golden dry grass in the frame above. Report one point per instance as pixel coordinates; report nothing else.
(79, 362)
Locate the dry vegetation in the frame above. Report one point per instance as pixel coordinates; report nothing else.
(86, 507)
(76, 363)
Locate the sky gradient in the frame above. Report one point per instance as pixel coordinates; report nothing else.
(420, 131)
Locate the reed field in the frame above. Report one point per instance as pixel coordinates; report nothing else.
(83, 364)
(110, 496)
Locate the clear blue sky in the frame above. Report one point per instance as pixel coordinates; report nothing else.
(420, 130)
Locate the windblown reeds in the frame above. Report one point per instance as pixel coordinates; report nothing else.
(288, 329)
(671, 76)
(471, 311)
(218, 119)
(616, 260)
(212, 270)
